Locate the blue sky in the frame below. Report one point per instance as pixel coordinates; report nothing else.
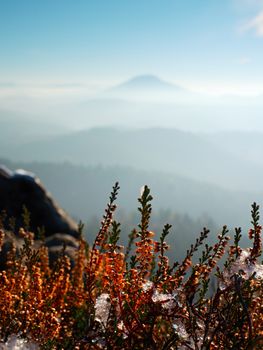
(198, 43)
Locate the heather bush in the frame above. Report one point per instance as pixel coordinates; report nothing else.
(133, 297)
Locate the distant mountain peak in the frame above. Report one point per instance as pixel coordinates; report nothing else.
(145, 79)
(145, 87)
(146, 82)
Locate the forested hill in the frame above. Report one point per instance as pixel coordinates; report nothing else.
(83, 191)
(187, 154)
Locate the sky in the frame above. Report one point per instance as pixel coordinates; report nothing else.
(84, 45)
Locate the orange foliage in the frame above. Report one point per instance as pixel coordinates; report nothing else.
(109, 300)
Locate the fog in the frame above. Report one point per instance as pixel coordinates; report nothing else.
(200, 154)
(140, 102)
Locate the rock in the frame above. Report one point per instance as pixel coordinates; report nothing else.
(9, 239)
(59, 239)
(56, 244)
(21, 189)
(54, 253)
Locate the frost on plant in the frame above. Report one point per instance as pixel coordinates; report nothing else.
(180, 330)
(168, 301)
(14, 342)
(243, 267)
(102, 308)
(148, 285)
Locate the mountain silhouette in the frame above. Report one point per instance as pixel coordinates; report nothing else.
(146, 82)
(144, 87)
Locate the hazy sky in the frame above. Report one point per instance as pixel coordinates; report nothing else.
(65, 44)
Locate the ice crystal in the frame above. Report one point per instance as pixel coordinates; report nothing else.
(168, 301)
(147, 286)
(121, 327)
(180, 330)
(100, 343)
(242, 266)
(14, 342)
(102, 308)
